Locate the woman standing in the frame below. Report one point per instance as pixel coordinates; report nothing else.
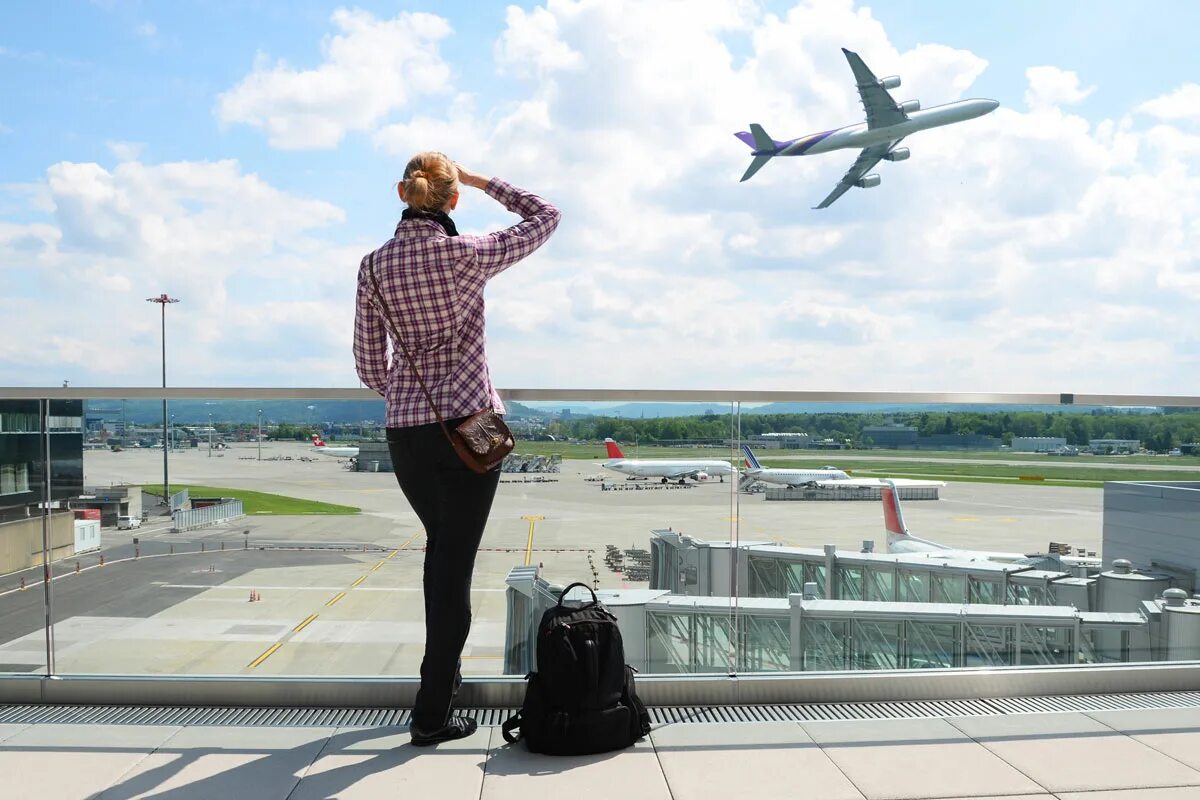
(431, 280)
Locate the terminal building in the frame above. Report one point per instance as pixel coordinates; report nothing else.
(777, 608)
(1115, 446)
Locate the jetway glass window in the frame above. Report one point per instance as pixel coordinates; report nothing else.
(815, 573)
(878, 584)
(988, 645)
(766, 577)
(1043, 644)
(932, 645)
(795, 577)
(984, 591)
(1024, 595)
(948, 589)
(670, 642)
(850, 583)
(912, 587)
(825, 645)
(766, 644)
(876, 645)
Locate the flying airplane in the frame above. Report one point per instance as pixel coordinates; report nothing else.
(667, 469)
(888, 122)
(337, 452)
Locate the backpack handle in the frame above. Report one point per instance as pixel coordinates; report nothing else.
(563, 595)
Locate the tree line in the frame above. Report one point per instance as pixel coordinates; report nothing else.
(1158, 432)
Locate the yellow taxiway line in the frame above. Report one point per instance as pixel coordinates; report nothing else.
(265, 655)
(357, 582)
(304, 624)
(336, 597)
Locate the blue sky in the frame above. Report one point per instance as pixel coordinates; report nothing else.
(138, 154)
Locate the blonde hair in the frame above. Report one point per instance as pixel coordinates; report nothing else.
(430, 180)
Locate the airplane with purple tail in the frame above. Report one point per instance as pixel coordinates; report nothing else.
(888, 122)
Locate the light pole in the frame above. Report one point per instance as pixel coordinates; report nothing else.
(210, 433)
(260, 434)
(163, 300)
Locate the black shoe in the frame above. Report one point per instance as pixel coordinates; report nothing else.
(457, 728)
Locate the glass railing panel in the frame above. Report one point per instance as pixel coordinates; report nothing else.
(273, 554)
(34, 528)
(1002, 505)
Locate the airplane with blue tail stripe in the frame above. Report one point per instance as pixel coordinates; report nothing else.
(888, 122)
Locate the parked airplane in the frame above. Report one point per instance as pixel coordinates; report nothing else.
(789, 477)
(888, 122)
(667, 469)
(823, 478)
(899, 540)
(338, 452)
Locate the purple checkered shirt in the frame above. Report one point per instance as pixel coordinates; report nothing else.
(433, 284)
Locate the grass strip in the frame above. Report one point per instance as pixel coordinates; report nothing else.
(261, 502)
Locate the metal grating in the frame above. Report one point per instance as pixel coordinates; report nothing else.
(286, 717)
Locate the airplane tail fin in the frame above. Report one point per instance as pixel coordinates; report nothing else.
(613, 450)
(893, 517)
(764, 148)
(751, 461)
(317, 441)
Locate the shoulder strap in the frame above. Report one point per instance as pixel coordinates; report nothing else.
(511, 724)
(387, 321)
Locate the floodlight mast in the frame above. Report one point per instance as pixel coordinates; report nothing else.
(163, 300)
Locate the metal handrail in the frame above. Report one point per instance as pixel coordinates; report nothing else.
(662, 395)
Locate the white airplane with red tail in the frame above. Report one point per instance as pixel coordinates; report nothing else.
(667, 469)
(337, 452)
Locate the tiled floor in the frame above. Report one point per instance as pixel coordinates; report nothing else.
(1111, 755)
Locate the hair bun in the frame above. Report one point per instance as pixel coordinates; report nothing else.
(417, 173)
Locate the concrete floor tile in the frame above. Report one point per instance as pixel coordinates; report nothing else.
(1073, 752)
(763, 760)
(513, 773)
(1172, 731)
(370, 763)
(200, 763)
(1174, 793)
(918, 758)
(65, 762)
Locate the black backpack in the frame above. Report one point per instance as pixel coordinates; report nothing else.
(581, 699)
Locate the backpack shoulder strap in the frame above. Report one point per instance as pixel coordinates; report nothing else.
(511, 724)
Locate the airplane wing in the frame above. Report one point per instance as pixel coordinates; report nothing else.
(866, 160)
(683, 473)
(881, 109)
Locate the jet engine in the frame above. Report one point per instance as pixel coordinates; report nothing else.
(909, 106)
(867, 182)
(897, 154)
(890, 82)
(701, 476)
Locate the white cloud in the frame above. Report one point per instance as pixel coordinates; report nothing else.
(530, 43)
(370, 69)
(1181, 104)
(246, 258)
(1051, 86)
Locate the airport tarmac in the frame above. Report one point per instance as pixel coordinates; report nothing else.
(361, 612)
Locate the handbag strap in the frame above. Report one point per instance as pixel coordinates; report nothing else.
(387, 322)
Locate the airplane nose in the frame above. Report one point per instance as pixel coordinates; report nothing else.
(990, 106)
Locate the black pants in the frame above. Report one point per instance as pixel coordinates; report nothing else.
(453, 504)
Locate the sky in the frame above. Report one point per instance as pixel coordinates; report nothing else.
(242, 157)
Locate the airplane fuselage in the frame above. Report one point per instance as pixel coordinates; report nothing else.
(860, 136)
(796, 477)
(665, 468)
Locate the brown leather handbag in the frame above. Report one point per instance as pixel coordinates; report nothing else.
(482, 440)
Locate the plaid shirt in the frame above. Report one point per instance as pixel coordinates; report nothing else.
(433, 284)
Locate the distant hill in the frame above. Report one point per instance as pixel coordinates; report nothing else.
(299, 412)
(653, 410)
